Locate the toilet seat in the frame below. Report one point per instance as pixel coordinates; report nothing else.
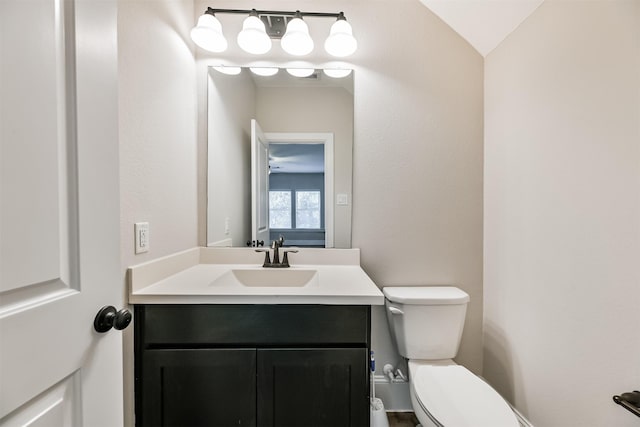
(452, 396)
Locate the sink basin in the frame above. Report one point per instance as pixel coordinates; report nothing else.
(275, 278)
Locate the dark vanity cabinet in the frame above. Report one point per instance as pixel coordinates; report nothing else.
(252, 365)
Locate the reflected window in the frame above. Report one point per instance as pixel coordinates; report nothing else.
(279, 209)
(301, 212)
(308, 209)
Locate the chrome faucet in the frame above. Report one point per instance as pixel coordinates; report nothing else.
(276, 245)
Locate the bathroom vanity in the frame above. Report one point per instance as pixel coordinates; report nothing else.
(213, 352)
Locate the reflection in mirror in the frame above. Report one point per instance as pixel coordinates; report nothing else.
(308, 127)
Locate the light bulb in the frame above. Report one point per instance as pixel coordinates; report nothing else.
(264, 71)
(296, 40)
(341, 42)
(208, 34)
(300, 72)
(231, 71)
(253, 38)
(337, 73)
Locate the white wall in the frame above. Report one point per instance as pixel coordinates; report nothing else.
(157, 131)
(418, 129)
(562, 213)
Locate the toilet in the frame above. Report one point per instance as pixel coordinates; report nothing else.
(426, 323)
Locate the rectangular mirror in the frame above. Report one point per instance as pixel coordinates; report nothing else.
(300, 183)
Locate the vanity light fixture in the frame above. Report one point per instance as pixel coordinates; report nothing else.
(301, 72)
(261, 26)
(341, 42)
(253, 38)
(229, 70)
(264, 71)
(297, 41)
(337, 73)
(208, 34)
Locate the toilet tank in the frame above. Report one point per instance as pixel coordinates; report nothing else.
(426, 322)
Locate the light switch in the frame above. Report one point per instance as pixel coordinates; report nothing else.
(342, 199)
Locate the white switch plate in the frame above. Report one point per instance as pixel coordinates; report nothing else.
(342, 199)
(141, 231)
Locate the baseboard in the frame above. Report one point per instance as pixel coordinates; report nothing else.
(394, 396)
(521, 418)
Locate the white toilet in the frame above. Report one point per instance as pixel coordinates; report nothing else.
(426, 323)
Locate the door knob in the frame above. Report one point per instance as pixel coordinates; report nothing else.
(108, 318)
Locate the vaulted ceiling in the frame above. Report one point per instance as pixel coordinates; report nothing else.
(483, 23)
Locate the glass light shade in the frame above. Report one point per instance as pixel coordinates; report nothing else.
(300, 72)
(253, 38)
(264, 71)
(208, 34)
(337, 73)
(341, 42)
(231, 71)
(296, 40)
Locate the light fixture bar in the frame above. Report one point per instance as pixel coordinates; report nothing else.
(211, 10)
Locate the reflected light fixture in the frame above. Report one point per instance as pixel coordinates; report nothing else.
(337, 73)
(301, 72)
(264, 71)
(229, 70)
(254, 38)
(262, 26)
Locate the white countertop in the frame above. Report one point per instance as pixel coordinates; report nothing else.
(190, 277)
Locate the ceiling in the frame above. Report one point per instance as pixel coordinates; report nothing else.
(483, 23)
(296, 158)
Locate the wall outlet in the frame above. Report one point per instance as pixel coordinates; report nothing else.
(141, 231)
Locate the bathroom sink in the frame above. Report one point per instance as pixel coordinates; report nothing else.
(269, 277)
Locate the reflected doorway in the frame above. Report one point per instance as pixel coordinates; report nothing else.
(301, 188)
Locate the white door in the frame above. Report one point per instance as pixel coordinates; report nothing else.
(259, 185)
(59, 213)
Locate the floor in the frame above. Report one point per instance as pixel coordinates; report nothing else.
(402, 419)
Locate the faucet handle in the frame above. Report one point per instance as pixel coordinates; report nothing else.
(285, 258)
(267, 257)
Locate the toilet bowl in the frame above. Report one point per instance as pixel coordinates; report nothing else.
(426, 324)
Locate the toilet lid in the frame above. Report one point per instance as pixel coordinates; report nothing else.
(431, 295)
(453, 396)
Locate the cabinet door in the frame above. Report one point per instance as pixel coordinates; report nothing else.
(197, 387)
(313, 387)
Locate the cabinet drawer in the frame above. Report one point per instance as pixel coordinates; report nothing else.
(251, 325)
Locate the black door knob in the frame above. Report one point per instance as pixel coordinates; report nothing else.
(108, 318)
